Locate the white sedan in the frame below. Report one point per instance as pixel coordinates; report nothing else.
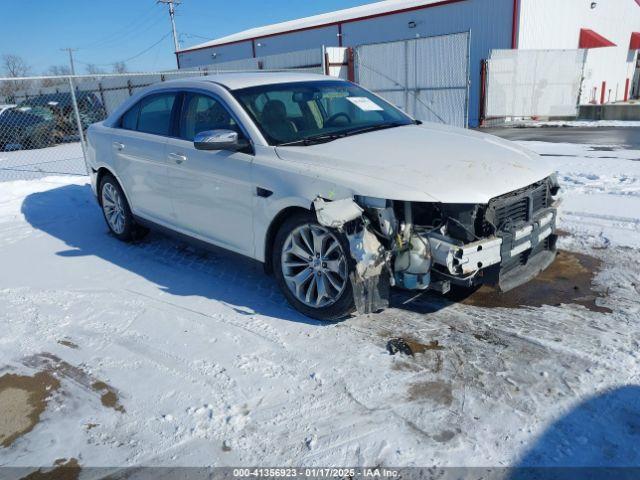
(340, 194)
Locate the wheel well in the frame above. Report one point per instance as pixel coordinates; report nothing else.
(276, 223)
(102, 171)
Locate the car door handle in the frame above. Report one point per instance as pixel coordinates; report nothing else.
(118, 146)
(178, 157)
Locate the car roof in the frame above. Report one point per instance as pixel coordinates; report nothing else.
(63, 99)
(239, 80)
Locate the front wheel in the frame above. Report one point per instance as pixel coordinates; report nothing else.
(312, 268)
(116, 211)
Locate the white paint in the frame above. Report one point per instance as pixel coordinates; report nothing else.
(553, 24)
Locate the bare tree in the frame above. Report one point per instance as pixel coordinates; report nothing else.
(93, 69)
(120, 67)
(14, 66)
(59, 70)
(56, 71)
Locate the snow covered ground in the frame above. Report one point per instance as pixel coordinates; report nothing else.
(582, 123)
(40, 163)
(170, 356)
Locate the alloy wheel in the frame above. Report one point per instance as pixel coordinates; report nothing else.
(314, 265)
(113, 206)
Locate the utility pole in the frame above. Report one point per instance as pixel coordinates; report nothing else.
(172, 11)
(70, 50)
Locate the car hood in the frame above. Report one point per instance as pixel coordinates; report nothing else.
(424, 163)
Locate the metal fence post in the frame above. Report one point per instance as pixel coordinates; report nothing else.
(76, 111)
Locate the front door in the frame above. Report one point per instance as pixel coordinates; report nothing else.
(212, 191)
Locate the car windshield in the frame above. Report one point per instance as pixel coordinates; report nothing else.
(306, 113)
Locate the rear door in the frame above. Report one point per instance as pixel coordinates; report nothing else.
(212, 190)
(139, 148)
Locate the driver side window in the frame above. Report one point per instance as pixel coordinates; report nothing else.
(201, 113)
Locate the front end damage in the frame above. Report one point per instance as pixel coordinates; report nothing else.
(420, 246)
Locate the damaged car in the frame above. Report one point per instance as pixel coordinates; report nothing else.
(340, 194)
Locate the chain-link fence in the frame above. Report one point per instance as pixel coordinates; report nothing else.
(427, 77)
(43, 120)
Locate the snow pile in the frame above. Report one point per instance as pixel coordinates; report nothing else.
(582, 123)
(600, 191)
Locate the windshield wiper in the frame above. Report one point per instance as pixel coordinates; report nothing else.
(312, 140)
(329, 137)
(373, 128)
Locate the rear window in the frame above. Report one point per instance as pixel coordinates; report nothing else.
(155, 114)
(130, 119)
(150, 115)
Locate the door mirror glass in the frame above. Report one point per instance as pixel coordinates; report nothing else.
(219, 140)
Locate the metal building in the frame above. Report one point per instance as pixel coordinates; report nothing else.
(418, 40)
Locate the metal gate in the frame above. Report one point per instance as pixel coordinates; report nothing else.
(530, 83)
(426, 77)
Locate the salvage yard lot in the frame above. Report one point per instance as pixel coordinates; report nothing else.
(157, 354)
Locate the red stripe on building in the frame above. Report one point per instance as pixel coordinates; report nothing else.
(627, 83)
(634, 43)
(515, 23)
(591, 39)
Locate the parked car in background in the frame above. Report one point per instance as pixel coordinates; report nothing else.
(338, 192)
(5, 107)
(21, 130)
(60, 107)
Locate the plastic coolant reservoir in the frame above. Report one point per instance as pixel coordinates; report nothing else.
(413, 265)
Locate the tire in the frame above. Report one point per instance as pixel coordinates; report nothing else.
(116, 211)
(326, 294)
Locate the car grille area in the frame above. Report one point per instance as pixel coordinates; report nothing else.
(526, 224)
(521, 206)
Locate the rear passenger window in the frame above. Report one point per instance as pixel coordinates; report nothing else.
(130, 119)
(155, 114)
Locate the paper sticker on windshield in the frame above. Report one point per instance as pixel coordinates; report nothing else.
(363, 103)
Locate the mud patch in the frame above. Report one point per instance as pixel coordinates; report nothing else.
(50, 363)
(445, 436)
(438, 392)
(63, 470)
(22, 401)
(567, 281)
(109, 397)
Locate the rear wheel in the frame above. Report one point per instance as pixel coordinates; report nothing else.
(116, 211)
(312, 268)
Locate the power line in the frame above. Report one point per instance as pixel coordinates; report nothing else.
(132, 26)
(136, 31)
(130, 58)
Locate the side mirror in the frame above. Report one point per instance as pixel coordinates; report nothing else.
(219, 140)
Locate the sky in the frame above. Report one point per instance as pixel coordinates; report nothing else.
(135, 31)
